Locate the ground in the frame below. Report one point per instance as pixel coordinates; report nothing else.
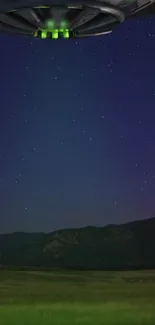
(77, 298)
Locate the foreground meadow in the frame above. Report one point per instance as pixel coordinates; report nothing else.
(77, 297)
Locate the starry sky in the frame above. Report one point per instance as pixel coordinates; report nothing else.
(77, 130)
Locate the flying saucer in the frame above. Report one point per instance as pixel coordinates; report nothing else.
(55, 19)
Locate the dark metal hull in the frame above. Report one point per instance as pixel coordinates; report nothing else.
(76, 19)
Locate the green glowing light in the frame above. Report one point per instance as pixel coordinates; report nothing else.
(54, 33)
(50, 24)
(64, 24)
(66, 33)
(43, 34)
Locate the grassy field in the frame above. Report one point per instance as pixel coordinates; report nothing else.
(81, 298)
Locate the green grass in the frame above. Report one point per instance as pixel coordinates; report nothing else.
(77, 298)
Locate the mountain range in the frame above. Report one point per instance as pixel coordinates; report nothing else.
(125, 246)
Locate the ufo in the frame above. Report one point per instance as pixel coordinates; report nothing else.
(69, 19)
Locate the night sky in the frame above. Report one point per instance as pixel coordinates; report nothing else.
(77, 130)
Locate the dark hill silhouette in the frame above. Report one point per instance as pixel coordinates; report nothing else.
(126, 246)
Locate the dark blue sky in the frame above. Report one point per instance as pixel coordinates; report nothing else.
(77, 130)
